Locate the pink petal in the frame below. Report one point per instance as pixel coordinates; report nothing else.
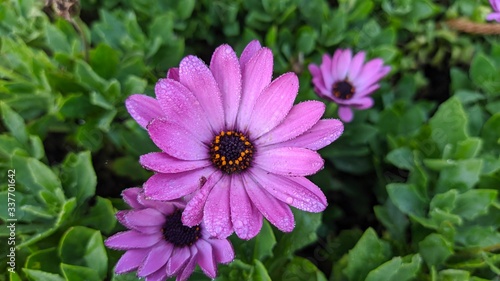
(163, 163)
(326, 71)
(216, 214)
(178, 259)
(345, 113)
(173, 73)
(156, 259)
(291, 192)
(164, 207)
(206, 258)
(320, 135)
(226, 70)
(143, 109)
(343, 64)
(256, 76)
(493, 16)
(300, 119)
(250, 50)
(196, 76)
(159, 275)
(130, 260)
(173, 186)
(176, 140)
(289, 161)
(193, 213)
(189, 267)
(223, 250)
(183, 108)
(275, 211)
(335, 62)
(365, 92)
(273, 104)
(130, 197)
(364, 103)
(370, 70)
(144, 217)
(246, 218)
(317, 79)
(132, 240)
(356, 66)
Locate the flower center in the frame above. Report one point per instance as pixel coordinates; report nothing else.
(343, 90)
(177, 233)
(231, 152)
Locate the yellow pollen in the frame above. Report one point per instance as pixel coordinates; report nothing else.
(216, 148)
(217, 156)
(230, 162)
(223, 163)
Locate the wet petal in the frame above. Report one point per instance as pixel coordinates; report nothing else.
(193, 214)
(198, 78)
(223, 250)
(246, 218)
(178, 259)
(173, 73)
(132, 240)
(273, 104)
(143, 109)
(289, 161)
(176, 140)
(163, 163)
(320, 135)
(156, 259)
(345, 113)
(216, 214)
(129, 195)
(206, 258)
(226, 70)
(190, 266)
(144, 217)
(250, 50)
(275, 211)
(131, 260)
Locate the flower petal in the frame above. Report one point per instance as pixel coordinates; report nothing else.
(343, 64)
(227, 73)
(206, 259)
(178, 259)
(196, 76)
(173, 73)
(289, 161)
(326, 71)
(223, 250)
(300, 119)
(364, 103)
(256, 76)
(176, 140)
(320, 135)
(370, 70)
(246, 218)
(273, 104)
(144, 217)
(143, 109)
(156, 259)
(173, 186)
(131, 260)
(275, 211)
(345, 113)
(183, 108)
(190, 266)
(129, 195)
(216, 214)
(250, 50)
(132, 240)
(193, 213)
(159, 275)
(163, 163)
(356, 66)
(317, 79)
(291, 192)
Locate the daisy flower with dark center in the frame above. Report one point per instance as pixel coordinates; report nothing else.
(495, 15)
(158, 245)
(347, 81)
(233, 142)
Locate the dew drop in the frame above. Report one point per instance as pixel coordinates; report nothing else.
(289, 200)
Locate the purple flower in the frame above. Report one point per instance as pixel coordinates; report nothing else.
(495, 15)
(158, 245)
(344, 80)
(233, 142)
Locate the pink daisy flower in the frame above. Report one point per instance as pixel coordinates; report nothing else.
(344, 80)
(233, 142)
(158, 245)
(495, 15)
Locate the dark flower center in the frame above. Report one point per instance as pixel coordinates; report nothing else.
(343, 90)
(231, 152)
(177, 233)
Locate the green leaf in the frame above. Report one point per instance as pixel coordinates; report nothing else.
(401, 157)
(306, 39)
(484, 73)
(462, 175)
(491, 135)
(302, 235)
(14, 123)
(101, 216)
(37, 275)
(78, 176)
(44, 260)
(449, 124)
(36, 175)
(444, 201)
(260, 272)
(435, 249)
(474, 203)
(468, 148)
(88, 78)
(478, 236)
(84, 247)
(104, 60)
(302, 269)
(393, 219)
(368, 254)
(453, 275)
(397, 269)
(407, 198)
(79, 273)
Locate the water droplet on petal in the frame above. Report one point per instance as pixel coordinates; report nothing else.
(289, 200)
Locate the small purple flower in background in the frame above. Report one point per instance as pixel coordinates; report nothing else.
(233, 142)
(158, 245)
(344, 80)
(495, 15)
